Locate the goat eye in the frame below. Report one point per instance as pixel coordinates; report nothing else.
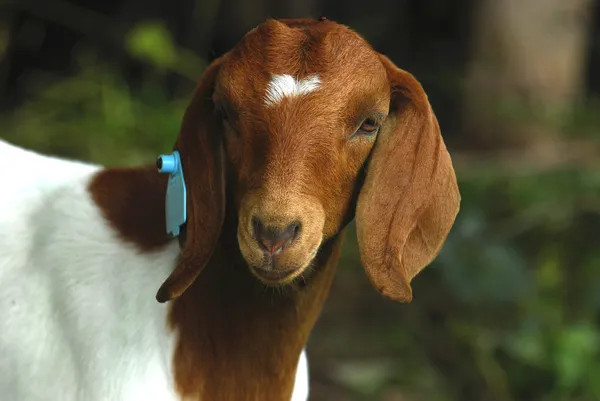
(368, 127)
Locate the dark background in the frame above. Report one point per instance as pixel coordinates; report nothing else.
(510, 310)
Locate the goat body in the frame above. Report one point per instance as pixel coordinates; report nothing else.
(277, 161)
(79, 320)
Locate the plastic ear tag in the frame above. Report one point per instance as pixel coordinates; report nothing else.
(175, 205)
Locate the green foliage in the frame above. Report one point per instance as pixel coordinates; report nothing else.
(96, 116)
(152, 42)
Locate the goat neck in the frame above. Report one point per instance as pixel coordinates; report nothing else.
(236, 338)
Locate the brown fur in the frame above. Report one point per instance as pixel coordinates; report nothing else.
(132, 199)
(240, 340)
(296, 161)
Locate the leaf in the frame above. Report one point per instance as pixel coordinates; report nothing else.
(152, 42)
(575, 351)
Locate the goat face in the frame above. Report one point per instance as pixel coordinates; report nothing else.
(315, 126)
(301, 113)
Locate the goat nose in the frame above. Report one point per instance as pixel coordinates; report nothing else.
(273, 239)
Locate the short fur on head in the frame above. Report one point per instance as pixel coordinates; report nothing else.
(310, 161)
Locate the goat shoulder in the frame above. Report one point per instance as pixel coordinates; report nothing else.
(78, 321)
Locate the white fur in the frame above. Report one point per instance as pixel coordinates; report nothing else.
(78, 318)
(282, 86)
(301, 386)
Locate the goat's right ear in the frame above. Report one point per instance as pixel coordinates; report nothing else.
(202, 157)
(410, 197)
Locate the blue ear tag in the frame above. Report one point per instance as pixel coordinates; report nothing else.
(175, 209)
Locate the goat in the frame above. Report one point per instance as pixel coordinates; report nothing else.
(299, 129)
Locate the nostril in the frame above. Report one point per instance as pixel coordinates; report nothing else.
(274, 239)
(294, 229)
(258, 226)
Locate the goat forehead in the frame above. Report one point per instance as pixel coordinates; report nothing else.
(285, 85)
(280, 61)
(263, 90)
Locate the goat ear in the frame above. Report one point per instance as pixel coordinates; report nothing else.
(410, 198)
(200, 147)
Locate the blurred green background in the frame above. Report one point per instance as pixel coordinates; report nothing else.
(510, 310)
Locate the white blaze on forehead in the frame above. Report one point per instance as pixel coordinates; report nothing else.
(282, 86)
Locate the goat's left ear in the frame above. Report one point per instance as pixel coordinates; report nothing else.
(202, 157)
(410, 198)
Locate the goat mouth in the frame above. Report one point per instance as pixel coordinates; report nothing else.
(274, 277)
